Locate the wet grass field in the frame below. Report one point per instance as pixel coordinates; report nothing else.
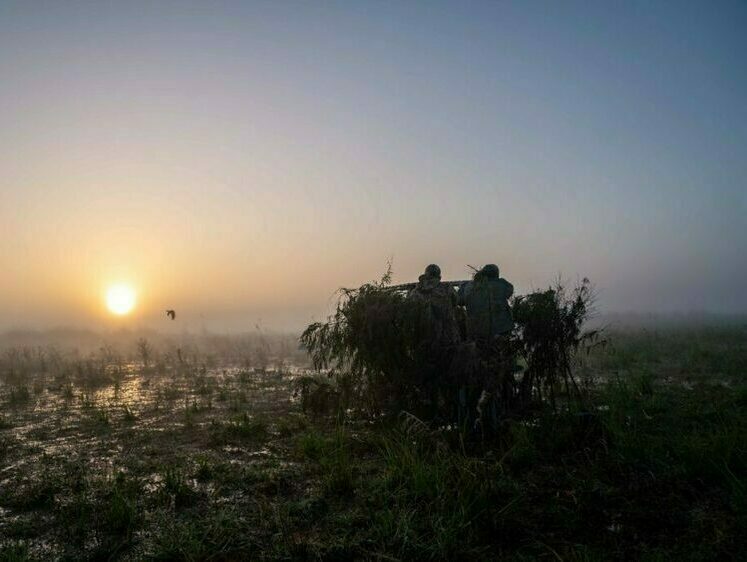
(199, 457)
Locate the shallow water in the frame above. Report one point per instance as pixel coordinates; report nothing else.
(136, 423)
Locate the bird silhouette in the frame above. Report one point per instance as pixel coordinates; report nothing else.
(171, 314)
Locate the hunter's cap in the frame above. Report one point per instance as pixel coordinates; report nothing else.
(491, 270)
(433, 270)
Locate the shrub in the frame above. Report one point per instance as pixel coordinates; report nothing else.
(547, 334)
(368, 347)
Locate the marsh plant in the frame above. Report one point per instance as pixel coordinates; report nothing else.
(144, 351)
(368, 346)
(548, 335)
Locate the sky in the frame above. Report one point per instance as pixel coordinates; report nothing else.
(240, 161)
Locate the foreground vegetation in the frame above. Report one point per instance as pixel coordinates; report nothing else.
(202, 455)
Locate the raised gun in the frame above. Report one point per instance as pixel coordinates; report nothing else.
(411, 286)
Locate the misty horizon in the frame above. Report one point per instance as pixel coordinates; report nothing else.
(243, 325)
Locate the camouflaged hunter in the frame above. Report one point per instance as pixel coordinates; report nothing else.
(486, 300)
(439, 325)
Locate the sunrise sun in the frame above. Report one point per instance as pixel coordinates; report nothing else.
(120, 299)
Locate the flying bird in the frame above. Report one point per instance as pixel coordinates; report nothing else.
(171, 314)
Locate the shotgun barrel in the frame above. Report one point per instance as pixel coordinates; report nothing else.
(411, 286)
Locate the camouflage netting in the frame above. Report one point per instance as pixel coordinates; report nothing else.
(378, 349)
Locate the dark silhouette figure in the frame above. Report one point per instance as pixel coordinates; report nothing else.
(436, 332)
(438, 327)
(486, 300)
(171, 314)
(489, 326)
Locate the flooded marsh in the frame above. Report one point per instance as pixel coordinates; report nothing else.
(104, 455)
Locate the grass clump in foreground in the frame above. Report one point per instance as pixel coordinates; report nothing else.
(657, 472)
(658, 475)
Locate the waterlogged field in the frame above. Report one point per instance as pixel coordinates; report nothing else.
(149, 453)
